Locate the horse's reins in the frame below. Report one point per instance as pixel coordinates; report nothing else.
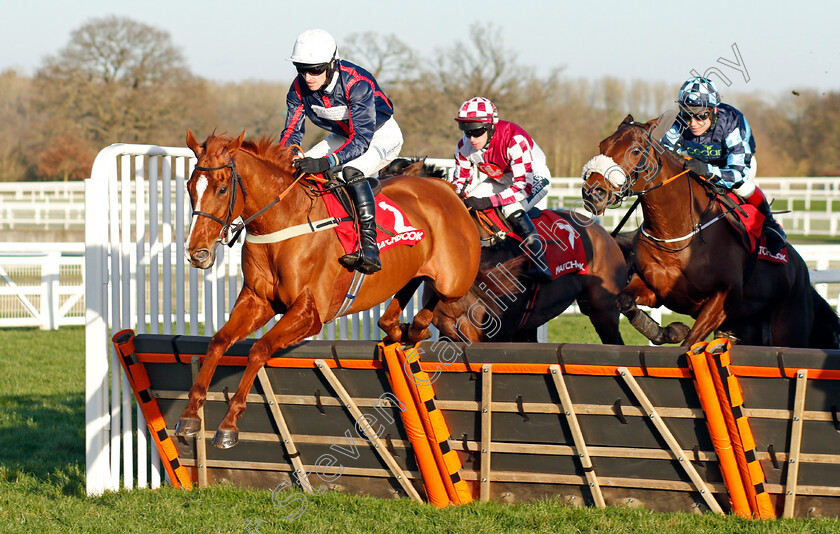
(236, 179)
(696, 229)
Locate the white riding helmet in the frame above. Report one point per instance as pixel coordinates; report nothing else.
(314, 47)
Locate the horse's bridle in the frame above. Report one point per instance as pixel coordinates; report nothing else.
(641, 166)
(236, 180)
(236, 229)
(628, 192)
(697, 228)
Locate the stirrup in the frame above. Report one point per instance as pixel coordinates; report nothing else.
(350, 260)
(358, 261)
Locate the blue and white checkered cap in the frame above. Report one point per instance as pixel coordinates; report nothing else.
(699, 92)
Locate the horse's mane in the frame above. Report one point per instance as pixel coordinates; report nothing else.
(264, 148)
(413, 167)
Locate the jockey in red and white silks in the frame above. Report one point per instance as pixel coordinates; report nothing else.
(516, 175)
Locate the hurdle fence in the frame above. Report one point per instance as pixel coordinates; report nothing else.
(135, 278)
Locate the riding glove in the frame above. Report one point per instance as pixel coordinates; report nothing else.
(313, 165)
(478, 203)
(697, 167)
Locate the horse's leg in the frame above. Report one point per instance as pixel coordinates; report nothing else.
(299, 322)
(249, 313)
(390, 320)
(711, 316)
(600, 304)
(418, 330)
(637, 292)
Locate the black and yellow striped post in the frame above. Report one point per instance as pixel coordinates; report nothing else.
(139, 380)
(437, 431)
(732, 401)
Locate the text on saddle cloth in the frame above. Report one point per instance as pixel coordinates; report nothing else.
(748, 223)
(564, 252)
(398, 229)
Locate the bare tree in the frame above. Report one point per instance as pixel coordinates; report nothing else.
(118, 80)
(385, 56)
(480, 67)
(259, 108)
(15, 117)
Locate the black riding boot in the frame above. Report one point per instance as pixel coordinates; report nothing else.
(524, 228)
(366, 259)
(773, 233)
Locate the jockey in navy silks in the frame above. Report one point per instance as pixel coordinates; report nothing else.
(344, 99)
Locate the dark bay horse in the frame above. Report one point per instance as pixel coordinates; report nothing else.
(692, 265)
(504, 305)
(300, 277)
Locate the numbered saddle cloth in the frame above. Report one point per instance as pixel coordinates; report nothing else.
(748, 223)
(392, 225)
(564, 252)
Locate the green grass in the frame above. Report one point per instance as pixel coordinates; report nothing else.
(578, 329)
(42, 474)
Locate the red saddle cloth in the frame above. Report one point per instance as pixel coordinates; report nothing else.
(398, 229)
(564, 252)
(749, 225)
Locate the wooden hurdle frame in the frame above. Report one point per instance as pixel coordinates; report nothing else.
(516, 441)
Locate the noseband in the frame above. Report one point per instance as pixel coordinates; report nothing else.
(236, 180)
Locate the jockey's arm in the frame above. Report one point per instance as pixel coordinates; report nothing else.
(521, 157)
(463, 173)
(361, 123)
(295, 117)
(738, 156)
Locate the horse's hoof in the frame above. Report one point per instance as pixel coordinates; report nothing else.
(225, 439)
(733, 339)
(415, 336)
(188, 426)
(676, 332)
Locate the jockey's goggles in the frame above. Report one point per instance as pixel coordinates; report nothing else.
(476, 132)
(314, 70)
(699, 117)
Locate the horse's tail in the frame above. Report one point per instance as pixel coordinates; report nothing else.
(825, 332)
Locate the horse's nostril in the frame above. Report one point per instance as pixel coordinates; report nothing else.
(201, 255)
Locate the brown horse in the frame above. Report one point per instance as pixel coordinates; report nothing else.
(688, 259)
(300, 277)
(504, 305)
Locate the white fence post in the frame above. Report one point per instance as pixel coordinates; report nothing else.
(49, 291)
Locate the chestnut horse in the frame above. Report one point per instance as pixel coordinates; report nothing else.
(504, 305)
(687, 258)
(300, 277)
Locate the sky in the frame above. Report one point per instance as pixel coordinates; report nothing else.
(770, 47)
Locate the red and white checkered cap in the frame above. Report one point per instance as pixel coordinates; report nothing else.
(478, 109)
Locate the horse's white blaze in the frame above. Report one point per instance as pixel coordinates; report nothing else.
(200, 188)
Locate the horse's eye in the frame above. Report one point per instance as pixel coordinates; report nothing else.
(636, 151)
(222, 190)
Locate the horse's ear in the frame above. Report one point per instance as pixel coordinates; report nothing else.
(193, 145)
(627, 120)
(654, 123)
(236, 143)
